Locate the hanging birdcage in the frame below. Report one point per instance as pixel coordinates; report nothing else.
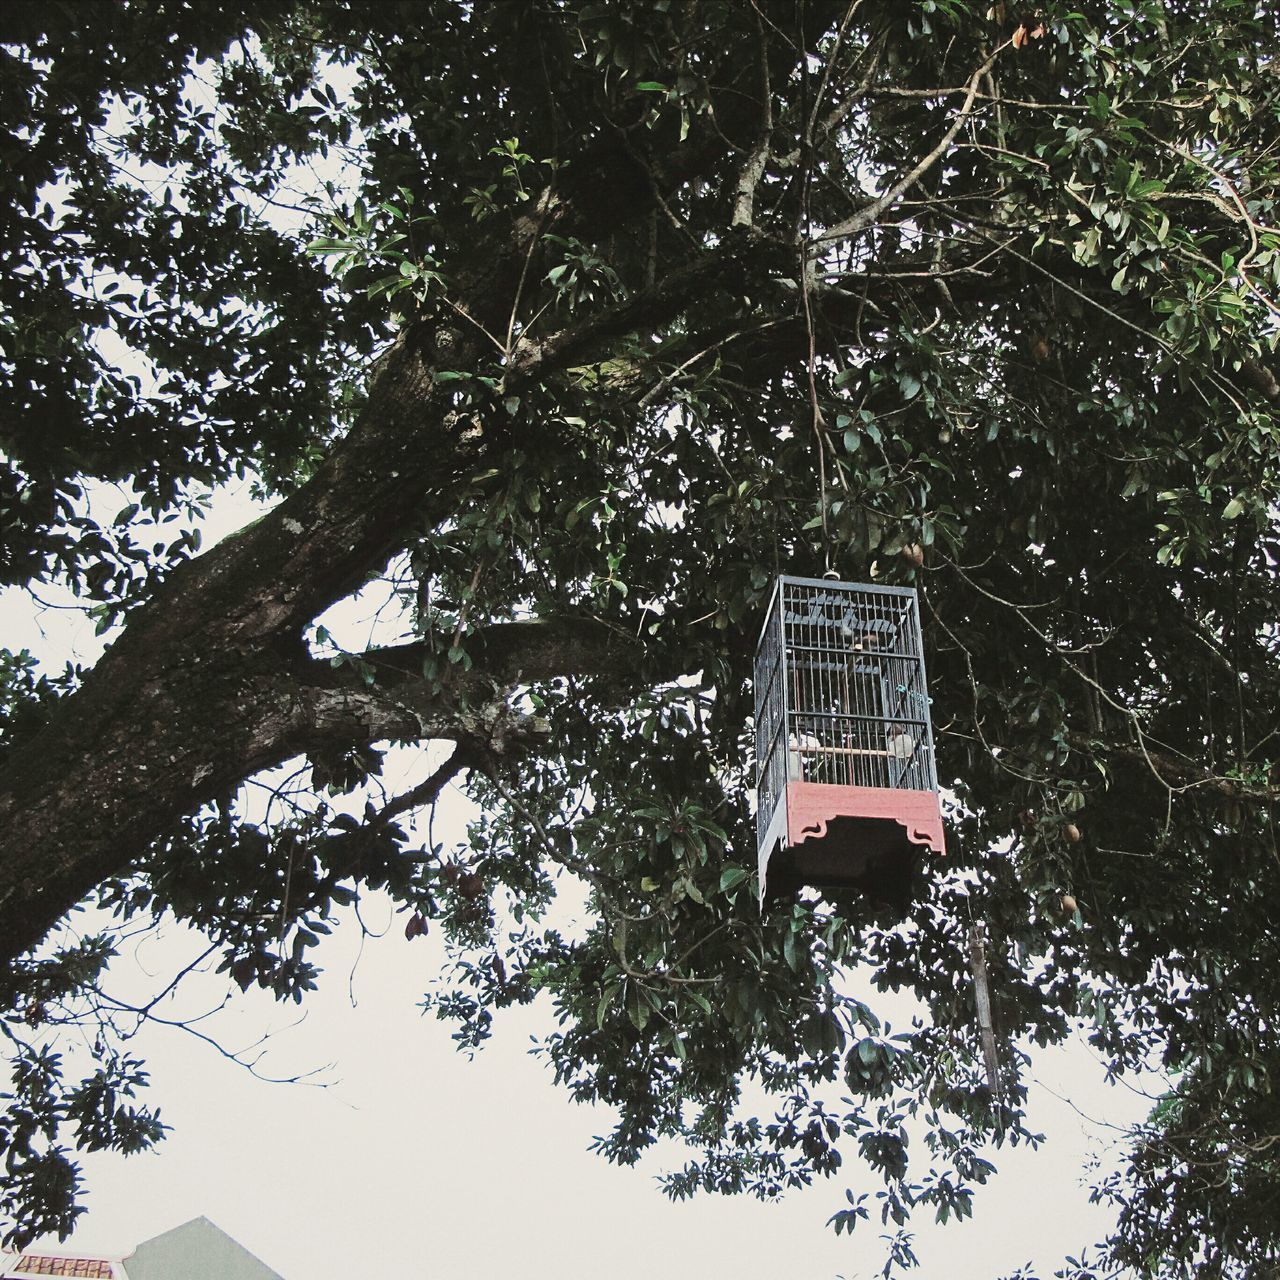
(846, 791)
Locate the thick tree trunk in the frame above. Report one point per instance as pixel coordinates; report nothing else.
(206, 686)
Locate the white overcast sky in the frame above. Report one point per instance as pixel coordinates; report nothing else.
(419, 1161)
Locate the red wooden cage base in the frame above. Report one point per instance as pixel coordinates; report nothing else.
(867, 839)
(812, 806)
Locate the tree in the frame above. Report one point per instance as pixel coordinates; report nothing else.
(574, 323)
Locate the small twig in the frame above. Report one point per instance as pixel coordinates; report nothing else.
(825, 82)
(869, 214)
(236, 1056)
(426, 792)
(663, 383)
(545, 203)
(471, 320)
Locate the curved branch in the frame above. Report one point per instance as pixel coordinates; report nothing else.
(870, 213)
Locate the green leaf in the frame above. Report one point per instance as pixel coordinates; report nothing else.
(638, 1010)
(607, 997)
(325, 245)
(699, 999)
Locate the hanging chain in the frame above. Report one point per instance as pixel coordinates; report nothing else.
(815, 409)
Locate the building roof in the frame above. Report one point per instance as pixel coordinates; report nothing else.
(197, 1250)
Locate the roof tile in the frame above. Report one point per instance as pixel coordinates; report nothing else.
(37, 1264)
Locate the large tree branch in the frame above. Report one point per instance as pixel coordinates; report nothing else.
(339, 706)
(209, 682)
(138, 755)
(1176, 773)
(525, 652)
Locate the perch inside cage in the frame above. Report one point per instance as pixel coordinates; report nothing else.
(845, 786)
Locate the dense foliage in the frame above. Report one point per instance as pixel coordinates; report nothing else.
(576, 323)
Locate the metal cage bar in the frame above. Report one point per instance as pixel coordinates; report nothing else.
(840, 692)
